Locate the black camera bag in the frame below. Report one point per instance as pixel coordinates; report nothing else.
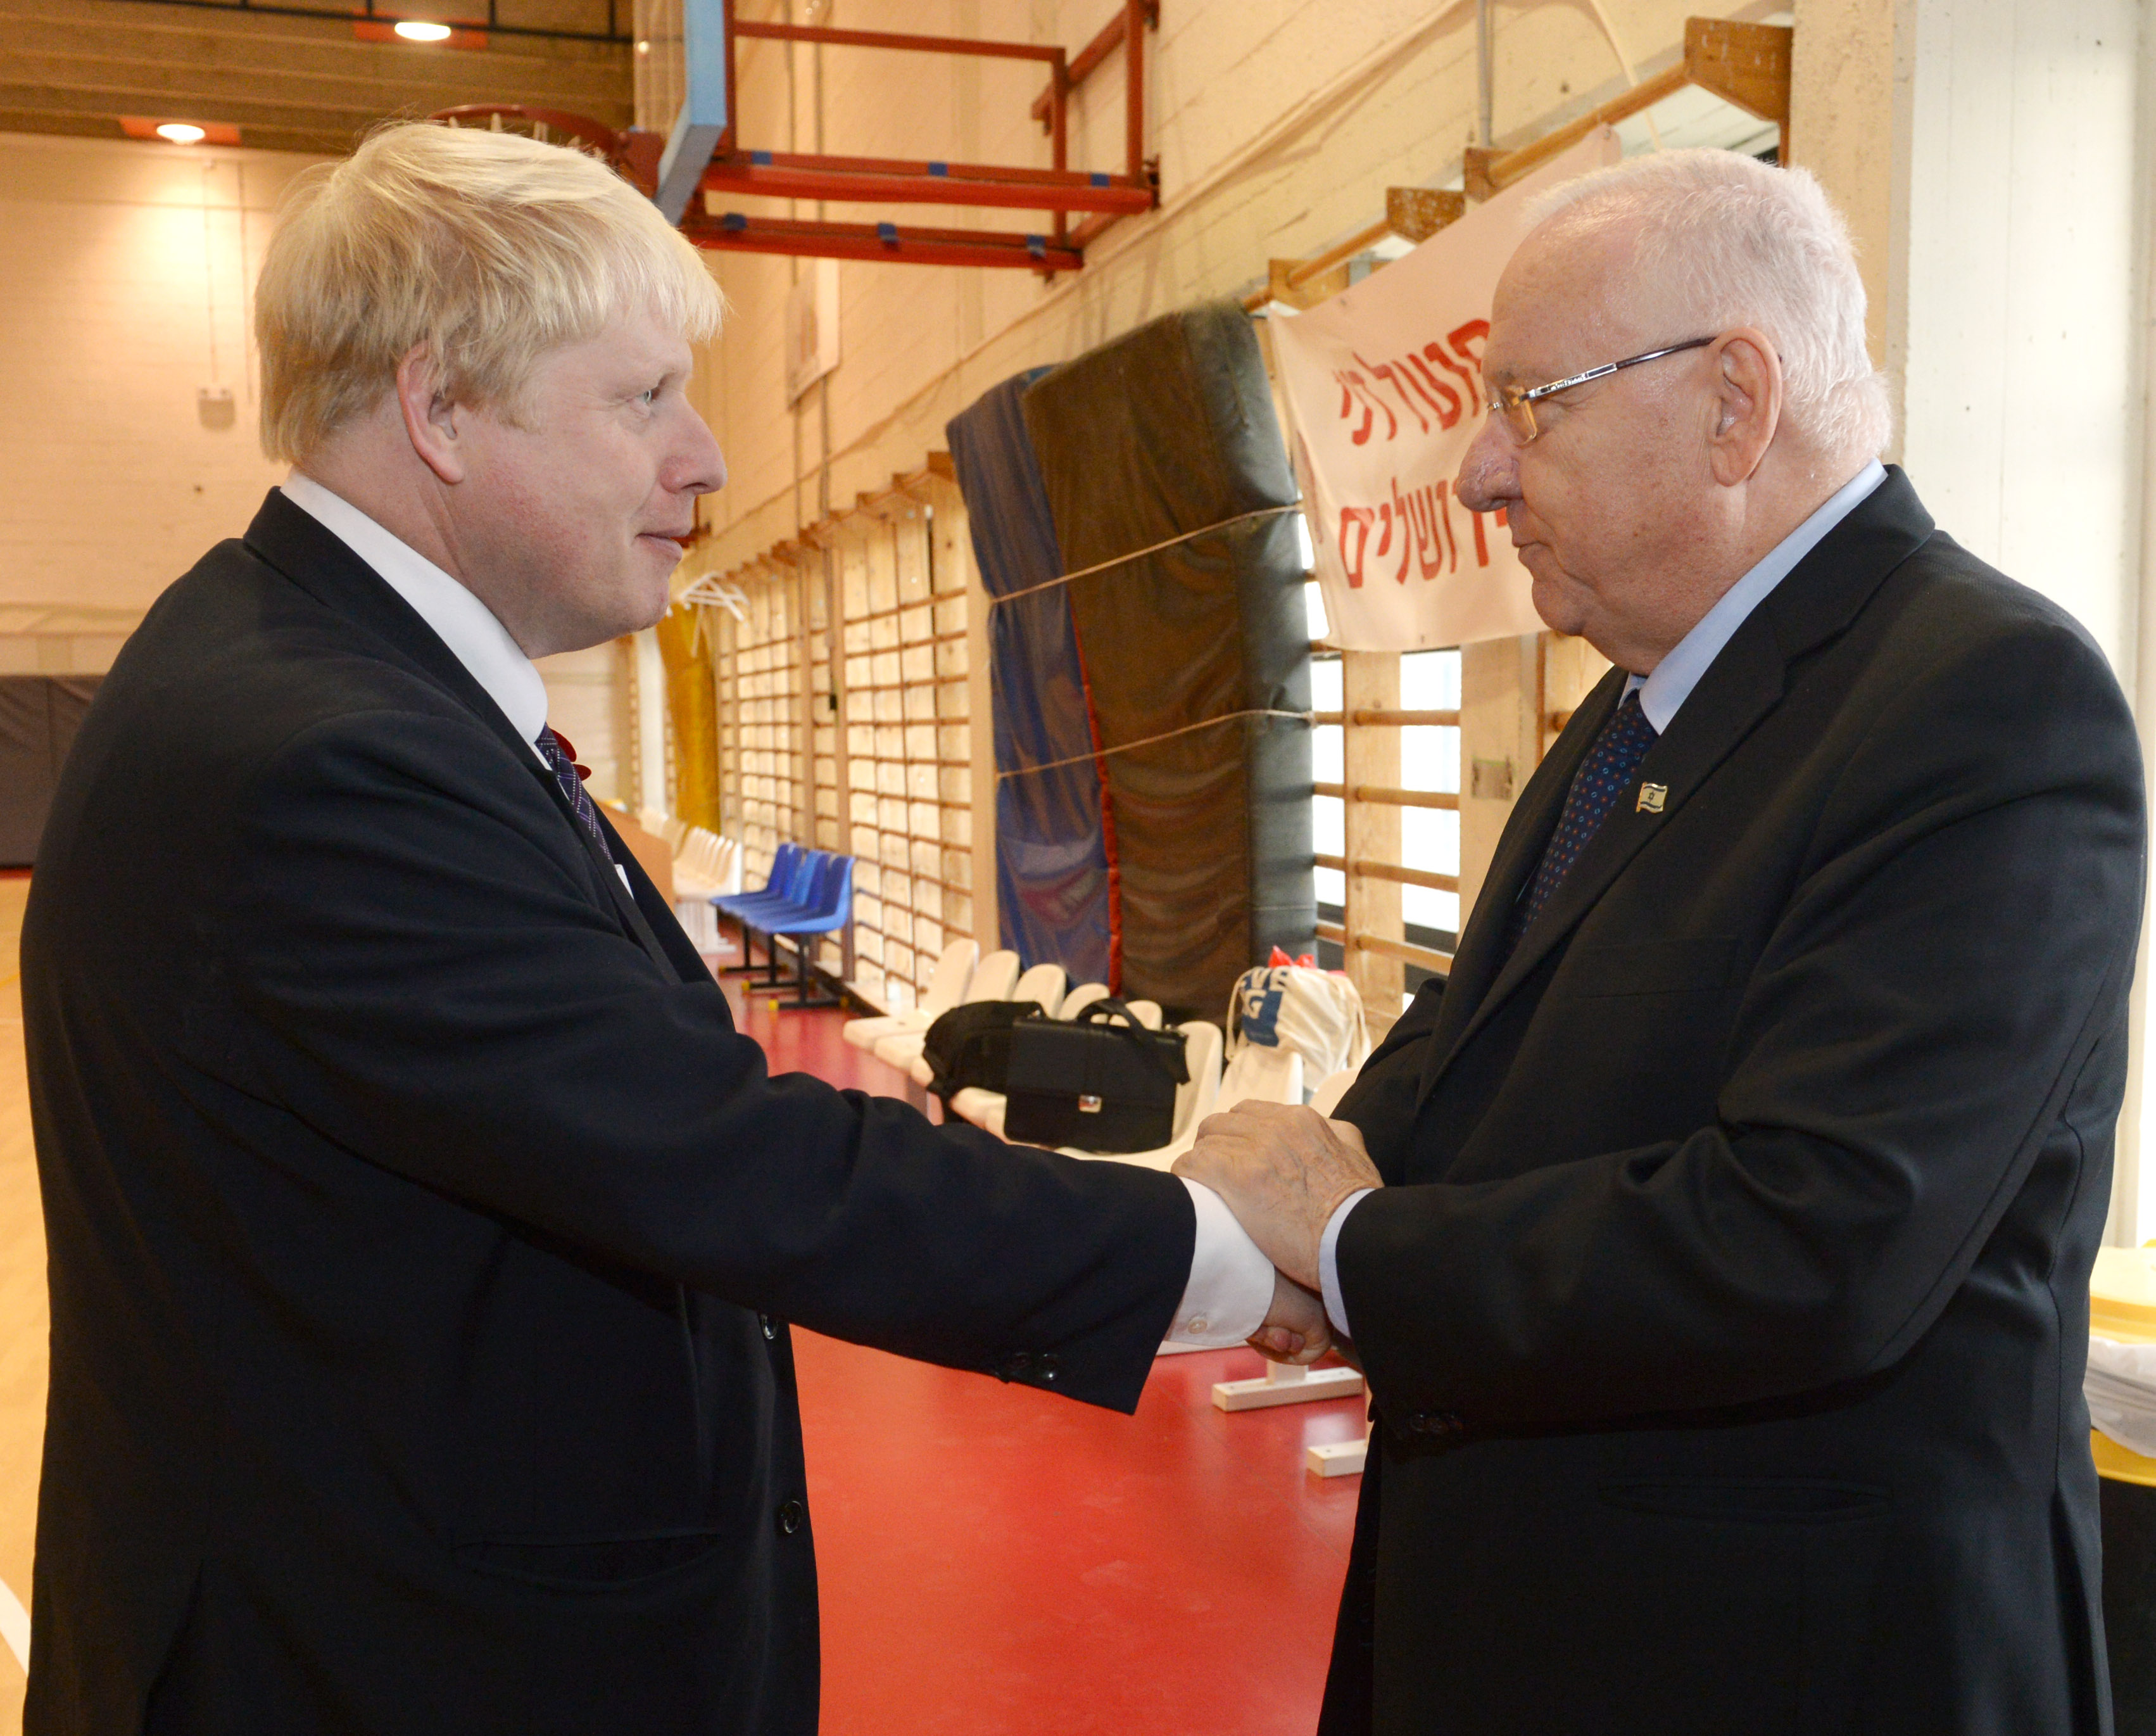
(971, 1044)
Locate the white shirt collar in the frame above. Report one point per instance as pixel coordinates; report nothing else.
(471, 630)
(1671, 685)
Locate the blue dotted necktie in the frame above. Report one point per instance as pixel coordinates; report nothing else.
(1606, 774)
(559, 756)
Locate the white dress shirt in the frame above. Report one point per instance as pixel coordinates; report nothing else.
(1662, 692)
(466, 625)
(1230, 1290)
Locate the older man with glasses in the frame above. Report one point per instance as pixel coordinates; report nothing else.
(1717, 1242)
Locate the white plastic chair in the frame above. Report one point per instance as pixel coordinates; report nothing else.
(946, 987)
(1333, 1086)
(1263, 1076)
(1044, 984)
(698, 865)
(1081, 997)
(994, 979)
(1146, 1012)
(1195, 1100)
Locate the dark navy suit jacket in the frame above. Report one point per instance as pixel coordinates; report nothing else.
(1726, 1311)
(421, 1231)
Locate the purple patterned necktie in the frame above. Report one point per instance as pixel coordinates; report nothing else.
(565, 773)
(1603, 775)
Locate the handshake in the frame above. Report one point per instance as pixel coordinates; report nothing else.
(1283, 1170)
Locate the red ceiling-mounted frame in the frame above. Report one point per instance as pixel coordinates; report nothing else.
(1059, 190)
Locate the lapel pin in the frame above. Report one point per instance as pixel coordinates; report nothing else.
(1651, 797)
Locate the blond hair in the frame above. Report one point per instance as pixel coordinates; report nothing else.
(1747, 245)
(488, 248)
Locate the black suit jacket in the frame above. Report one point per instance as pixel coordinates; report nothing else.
(1726, 1311)
(421, 1229)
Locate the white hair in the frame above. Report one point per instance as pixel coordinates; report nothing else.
(1742, 243)
(490, 247)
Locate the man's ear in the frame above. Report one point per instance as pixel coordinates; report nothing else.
(432, 422)
(1748, 404)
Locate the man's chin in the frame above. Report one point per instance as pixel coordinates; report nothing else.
(1558, 608)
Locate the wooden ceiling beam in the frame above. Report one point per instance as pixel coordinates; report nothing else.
(288, 83)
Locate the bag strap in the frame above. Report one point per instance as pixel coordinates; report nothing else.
(1106, 1007)
(1149, 1044)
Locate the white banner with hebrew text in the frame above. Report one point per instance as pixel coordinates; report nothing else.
(1384, 390)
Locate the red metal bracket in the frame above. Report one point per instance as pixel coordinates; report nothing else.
(1059, 190)
(735, 232)
(873, 179)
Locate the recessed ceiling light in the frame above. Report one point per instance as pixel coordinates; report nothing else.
(179, 132)
(418, 30)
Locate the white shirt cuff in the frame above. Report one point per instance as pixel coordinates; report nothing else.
(1231, 1282)
(1328, 1261)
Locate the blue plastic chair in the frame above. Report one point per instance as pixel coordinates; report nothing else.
(834, 915)
(785, 863)
(781, 895)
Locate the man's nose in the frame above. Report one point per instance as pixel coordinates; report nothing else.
(1489, 473)
(701, 465)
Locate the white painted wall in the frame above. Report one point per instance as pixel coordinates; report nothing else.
(584, 694)
(126, 284)
(2018, 279)
(2004, 169)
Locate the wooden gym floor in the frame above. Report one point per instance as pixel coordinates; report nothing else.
(992, 1559)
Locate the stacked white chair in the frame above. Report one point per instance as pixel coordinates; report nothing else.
(1044, 984)
(1326, 1096)
(664, 826)
(946, 987)
(702, 864)
(992, 979)
(1262, 1075)
(1081, 997)
(985, 1108)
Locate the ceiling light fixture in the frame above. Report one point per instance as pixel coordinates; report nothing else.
(180, 132)
(418, 30)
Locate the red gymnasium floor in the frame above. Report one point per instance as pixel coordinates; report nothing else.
(994, 1559)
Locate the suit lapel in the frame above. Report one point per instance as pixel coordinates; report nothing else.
(1820, 597)
(321, 564)
(1480, 960)
(619, 893)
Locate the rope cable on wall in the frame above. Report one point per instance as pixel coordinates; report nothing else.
(1168, 735)
(1139, 553)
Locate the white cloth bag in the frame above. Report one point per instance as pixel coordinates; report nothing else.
(1315, 1013)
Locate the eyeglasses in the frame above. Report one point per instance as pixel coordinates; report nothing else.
(1516, 405)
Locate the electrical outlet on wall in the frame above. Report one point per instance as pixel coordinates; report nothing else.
(1490, 780)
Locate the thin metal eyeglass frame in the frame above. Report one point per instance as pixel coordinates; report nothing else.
(1515, 405)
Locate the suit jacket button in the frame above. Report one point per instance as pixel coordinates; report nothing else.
(791, 1516)
(770, 1331)
(1048, 1364)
